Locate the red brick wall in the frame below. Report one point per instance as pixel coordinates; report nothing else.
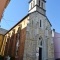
(7, 46)
(13, 46)
(10, 48)
(3, 5)
(22, 43)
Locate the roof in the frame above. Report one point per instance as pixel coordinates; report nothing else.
(30, 1)
(24, 18)
(48, 21)
(46, 18)
(2, 31)
(17, 23)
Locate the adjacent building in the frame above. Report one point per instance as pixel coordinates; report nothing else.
(31, 37)
(3, 5)
(2, 32)
(56, 40)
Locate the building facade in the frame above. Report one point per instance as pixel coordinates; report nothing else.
(31, 37)
(56, 39)
(2, 32)
(3, 5)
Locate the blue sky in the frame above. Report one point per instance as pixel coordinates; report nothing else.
(17, 9)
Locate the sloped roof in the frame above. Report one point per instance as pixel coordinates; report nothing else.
(23, 19)
(17, 23)
(2, 31)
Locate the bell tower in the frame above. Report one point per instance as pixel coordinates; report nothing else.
(37, 5)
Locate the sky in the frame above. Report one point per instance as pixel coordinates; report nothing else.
(17, 9)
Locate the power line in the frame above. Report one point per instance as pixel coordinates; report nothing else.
(8, 20)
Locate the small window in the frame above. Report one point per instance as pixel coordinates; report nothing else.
(39, 2)
(40, 23)
(33, 3)
(42, 4)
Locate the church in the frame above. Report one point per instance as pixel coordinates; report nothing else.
(31, 37)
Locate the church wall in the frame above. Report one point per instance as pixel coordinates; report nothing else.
(33, 32)
(2, 32)
(45, 32)
(30, 43)
(1, 40)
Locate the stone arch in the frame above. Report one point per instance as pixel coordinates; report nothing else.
(40, 47)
